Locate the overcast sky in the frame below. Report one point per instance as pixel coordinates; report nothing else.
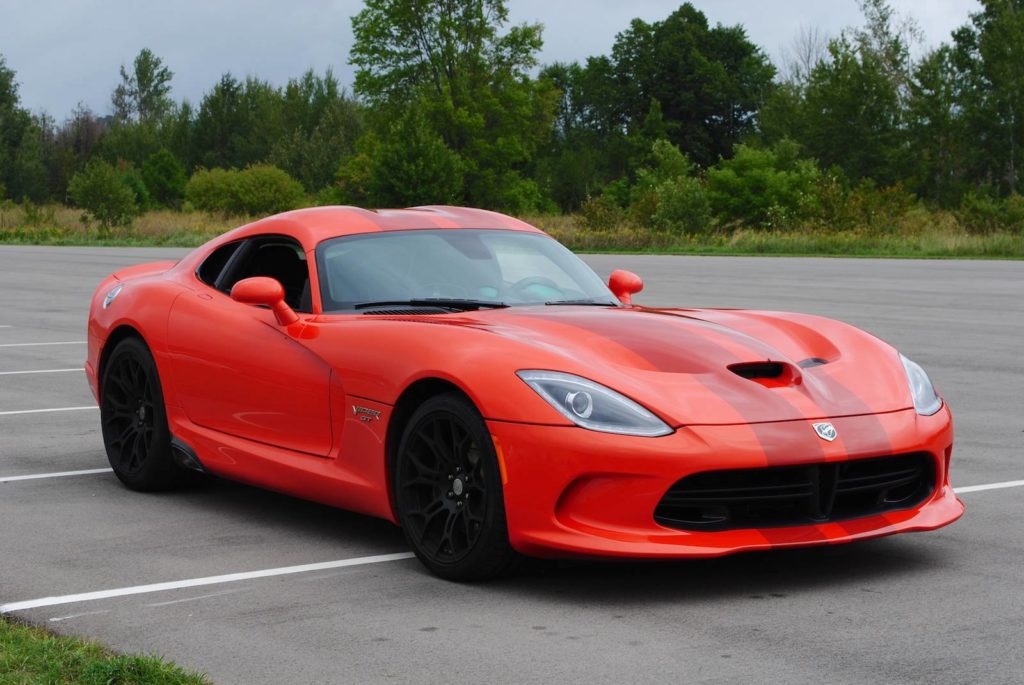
(68, 51)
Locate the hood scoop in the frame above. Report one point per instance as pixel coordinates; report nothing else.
(767, 373)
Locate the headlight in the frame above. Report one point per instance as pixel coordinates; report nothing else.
(114, 292)
(593, 406)
(926, 400)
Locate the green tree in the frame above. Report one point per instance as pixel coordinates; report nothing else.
(143, 94)
(988, 56)
(165, 178)
(850, 109)
(472, 82)
(709, 82)
(321, 125)
(238, 123)
(21, 171)
(413, 166)
(104, 193)
(936, 129)
(73, 144)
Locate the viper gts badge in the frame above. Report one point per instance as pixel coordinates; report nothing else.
(365, 413)
(825, 431)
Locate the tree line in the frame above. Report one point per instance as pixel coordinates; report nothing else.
(683, 126)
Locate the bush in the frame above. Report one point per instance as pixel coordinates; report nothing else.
(133, 179)
(683, 206)
(864, 207)
(102, 191)
(165, 178)
(764, 188)
(265, 189)
(600, 214)
(260, 189)
(666, 195)
(982, 214)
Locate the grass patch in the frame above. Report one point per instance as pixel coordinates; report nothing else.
(937, 238)
(921, 234)
(33, 655)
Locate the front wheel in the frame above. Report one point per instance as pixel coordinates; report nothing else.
(447, 491)
(134, 421)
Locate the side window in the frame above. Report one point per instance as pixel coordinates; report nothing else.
(211, 267)
(275, 257)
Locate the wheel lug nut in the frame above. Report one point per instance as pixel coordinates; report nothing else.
(451, 494)
(458, 469)
(459, 505)
(451, 477)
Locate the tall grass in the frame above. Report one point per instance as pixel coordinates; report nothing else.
(920, 233)
(923, 234)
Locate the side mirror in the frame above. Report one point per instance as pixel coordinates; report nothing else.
(268, 292)
(625, 284)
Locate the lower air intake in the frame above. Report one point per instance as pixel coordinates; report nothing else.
(778, 496)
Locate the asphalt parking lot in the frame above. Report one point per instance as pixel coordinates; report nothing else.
(941, 607)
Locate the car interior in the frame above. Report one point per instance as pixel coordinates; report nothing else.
(273, 257)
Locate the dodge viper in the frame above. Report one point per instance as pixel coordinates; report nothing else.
(465, 376)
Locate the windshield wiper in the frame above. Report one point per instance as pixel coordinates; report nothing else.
(443, 302)
(587, 302)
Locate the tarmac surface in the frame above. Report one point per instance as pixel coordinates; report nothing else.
(940, 607)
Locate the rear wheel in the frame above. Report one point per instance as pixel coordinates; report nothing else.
(134, 421)
(447, 491)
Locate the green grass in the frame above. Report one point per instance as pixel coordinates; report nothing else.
(921, 235)
(32, 655)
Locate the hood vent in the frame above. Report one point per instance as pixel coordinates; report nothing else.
(412, 311)
(758, 370)
(812, 362)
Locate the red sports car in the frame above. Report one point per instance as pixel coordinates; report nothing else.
(462, 374)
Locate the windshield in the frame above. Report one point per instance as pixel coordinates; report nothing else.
(486, 266)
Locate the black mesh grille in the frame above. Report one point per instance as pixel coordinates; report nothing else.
(796, 495)
(411, 311)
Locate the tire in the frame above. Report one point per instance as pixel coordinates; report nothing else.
(447, 491)
(134, 420)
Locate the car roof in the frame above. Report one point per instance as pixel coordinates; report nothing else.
(316, 224)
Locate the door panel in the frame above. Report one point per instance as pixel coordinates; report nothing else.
(237, 371)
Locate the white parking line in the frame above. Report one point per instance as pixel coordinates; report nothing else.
(45, 411)
(69, 342)
(197, 597)
(17, 373)
(990, 486)
(289, 570)
(195, 582)
(6, 326)
(58, 619)
(56, 474)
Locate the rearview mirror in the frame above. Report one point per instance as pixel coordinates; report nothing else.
(625, 284)
(260, 290)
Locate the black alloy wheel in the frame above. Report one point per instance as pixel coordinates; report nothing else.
(134, 420)
(447, 489)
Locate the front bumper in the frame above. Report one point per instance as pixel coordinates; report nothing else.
(574, 492)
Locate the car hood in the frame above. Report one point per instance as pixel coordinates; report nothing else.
(713, 366)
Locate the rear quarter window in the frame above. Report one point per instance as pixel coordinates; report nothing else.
(211, 267)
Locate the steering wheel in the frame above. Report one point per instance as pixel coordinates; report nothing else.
(520, 286)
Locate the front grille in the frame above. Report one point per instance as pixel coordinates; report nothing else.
(777, 496)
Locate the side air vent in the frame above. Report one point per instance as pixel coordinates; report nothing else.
(413, 311)
(757, 370)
